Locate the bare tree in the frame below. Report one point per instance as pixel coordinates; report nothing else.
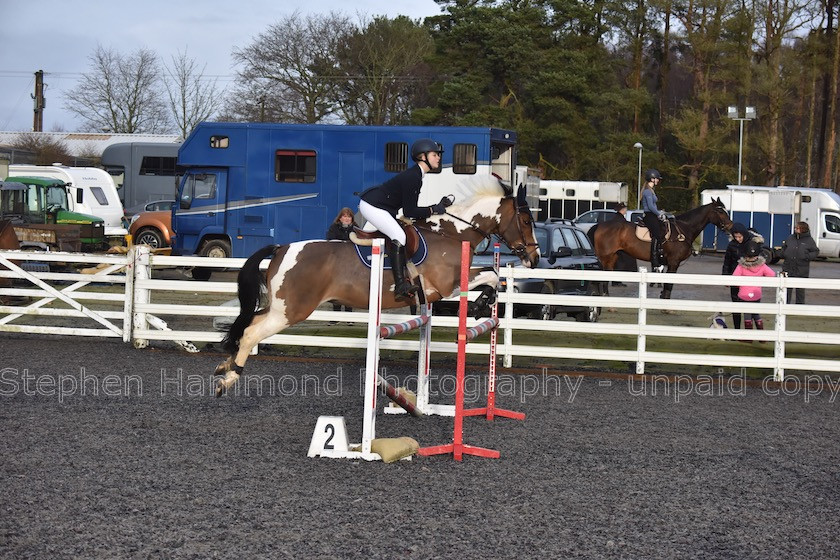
(45, 149)
(120, 93)
(287, 68)
(192, 97)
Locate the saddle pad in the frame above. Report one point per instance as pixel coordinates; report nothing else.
(365, 251)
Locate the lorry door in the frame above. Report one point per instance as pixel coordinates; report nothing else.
(828, 237)
(200, 209)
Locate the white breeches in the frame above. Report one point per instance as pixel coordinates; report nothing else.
(382, 220)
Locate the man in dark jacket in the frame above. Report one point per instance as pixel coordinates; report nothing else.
(734, 251)
(799, 250)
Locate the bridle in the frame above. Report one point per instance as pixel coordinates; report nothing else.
(521, 249)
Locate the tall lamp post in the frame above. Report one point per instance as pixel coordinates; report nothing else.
(638, 146)
(749, 114)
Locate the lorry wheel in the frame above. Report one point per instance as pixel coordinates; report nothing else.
(216, 249)
(150, 237)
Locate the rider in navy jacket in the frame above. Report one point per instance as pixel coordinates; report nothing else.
(379, 205)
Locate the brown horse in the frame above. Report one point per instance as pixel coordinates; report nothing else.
(305, 274)
(613, 236)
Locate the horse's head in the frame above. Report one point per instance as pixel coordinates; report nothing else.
(484, 206)
(516, 227)
(718, 215)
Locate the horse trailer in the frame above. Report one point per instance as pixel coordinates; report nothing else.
(143, 171)
(773, 211)
(570, 199)
(247, 185)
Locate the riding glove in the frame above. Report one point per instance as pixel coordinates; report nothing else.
(446, 202)
(438, 208)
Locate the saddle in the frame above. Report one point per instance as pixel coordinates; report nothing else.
(643, 233)
(365, 238)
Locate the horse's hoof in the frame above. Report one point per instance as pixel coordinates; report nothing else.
(221, 388)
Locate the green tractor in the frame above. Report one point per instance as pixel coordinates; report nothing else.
(38, 208)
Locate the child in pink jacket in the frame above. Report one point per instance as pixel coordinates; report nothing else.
(752, 264)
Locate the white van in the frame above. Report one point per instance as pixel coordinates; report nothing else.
(773, 211)
(92, 191)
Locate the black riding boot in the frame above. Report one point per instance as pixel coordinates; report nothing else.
(403, 289)
(655, 245)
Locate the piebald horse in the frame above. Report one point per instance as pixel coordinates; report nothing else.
(613, 236)
(305, 274)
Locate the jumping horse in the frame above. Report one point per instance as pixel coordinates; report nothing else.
(613, 236)
(305, 274)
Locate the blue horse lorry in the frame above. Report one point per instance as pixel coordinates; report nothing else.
(247, 185)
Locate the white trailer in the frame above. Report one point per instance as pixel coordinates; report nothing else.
(570, 199)
(92, 191)
(773, 211)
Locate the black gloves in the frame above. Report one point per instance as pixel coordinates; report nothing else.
(440, 207)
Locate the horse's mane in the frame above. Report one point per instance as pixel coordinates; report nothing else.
(473, 189)
(691, 213)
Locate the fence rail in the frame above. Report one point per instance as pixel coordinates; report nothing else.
(124, 296)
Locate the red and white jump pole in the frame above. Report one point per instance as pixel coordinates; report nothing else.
(490, 411)
(458, 448)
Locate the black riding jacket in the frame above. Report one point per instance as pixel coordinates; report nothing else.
(400, 191)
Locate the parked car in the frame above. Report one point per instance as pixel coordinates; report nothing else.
(131, 214)
(588, 219)
(562, 245)
(152, 228)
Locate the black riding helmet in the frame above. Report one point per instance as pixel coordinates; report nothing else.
(651, 174)
(423, 146)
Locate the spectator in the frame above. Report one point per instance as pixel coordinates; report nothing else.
(752, 264)
(798, 251)
(734, 252)
(340, 229)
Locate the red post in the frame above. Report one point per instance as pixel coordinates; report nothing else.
(457, 447)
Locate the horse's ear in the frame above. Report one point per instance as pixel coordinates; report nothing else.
(521, 201)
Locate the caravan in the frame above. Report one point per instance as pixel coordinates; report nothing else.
(773, 211)
(91, 192)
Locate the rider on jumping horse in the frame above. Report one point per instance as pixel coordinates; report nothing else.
(379, 206)
(653, 216)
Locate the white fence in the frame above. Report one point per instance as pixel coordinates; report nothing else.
(125, 296)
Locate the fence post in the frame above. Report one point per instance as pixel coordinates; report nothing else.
(128, 310)
(508, 361)
(781, 322)
(142, 271)
(641, 342)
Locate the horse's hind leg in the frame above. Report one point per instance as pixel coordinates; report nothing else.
(262, 327)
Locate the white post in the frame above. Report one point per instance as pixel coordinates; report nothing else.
(142, 271)
(642, 339)
(372, 359)
(740, 149)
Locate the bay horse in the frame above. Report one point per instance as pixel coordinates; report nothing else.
(613, 236)
(305, 274)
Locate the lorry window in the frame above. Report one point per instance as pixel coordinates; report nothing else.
(464, 159)
(396, 156)
(219, 142)
(832, 223)
(156, 165)
(294, 166)
(198, 186)
(99, 195)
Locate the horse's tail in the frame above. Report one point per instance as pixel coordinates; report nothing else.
(251, 283)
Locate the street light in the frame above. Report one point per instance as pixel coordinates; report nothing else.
(638, 146)
(749, 114)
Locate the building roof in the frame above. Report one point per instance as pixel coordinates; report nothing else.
(89, 143)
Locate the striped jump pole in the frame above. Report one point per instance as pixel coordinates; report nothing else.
(458, 448)
(490, 411)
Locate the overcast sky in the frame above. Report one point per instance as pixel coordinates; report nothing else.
(58, 37)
